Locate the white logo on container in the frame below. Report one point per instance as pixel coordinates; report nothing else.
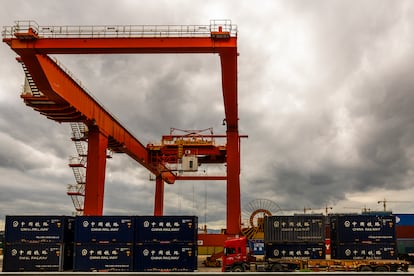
(397, 219)
(145, 252)
(85, 223)
(15, 223)
(146, 223)
(84, 252)
(348, 252)
(347, 223)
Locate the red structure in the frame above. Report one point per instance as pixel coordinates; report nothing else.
(62, 99)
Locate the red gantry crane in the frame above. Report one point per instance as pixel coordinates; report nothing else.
(63, 99)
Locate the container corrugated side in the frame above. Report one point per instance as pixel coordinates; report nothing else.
(166, 228)
(361, 251)
(165, 257)
(104, 229)
(362, 228)
(103, 257)
(302, 251)
(34, 257)
(297, 228)
(30, 229)
(404, 232)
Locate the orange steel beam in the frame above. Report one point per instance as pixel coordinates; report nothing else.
(225, 47)
(166, 45)
(95, 172)
(159, 197)
(62, 89)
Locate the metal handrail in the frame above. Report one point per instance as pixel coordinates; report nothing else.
(119, 31)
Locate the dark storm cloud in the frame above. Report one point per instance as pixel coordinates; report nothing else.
(325, 95)
(351, 128)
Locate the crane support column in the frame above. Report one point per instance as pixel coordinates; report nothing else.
(95, 172)
(228, 58)
(233, 183)
(159, 196)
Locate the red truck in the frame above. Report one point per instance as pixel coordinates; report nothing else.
(238, 258)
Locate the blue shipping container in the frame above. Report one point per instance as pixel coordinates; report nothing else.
(297, 228)
(103, 257)
(166, 228)
(359, 228)
(172, 257)
(56, 229)
(257, 247)
(303, 251)
(19, 257)
(404, 219)
(361, 251)
(104, 229)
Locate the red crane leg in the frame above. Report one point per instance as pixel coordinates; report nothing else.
(233, 183)
(159, 196)
(228, 58)
(95, 172)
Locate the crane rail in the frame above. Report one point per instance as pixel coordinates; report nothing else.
(120, 31)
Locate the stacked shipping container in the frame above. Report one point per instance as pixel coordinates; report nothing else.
(405, 236)
(367, 236)
(38, 243)
(167, 243)
(104, 243)
(101, 243)
(297, 237)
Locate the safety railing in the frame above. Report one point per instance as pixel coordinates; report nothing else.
(121, 31)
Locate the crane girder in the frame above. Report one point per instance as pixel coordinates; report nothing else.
(61, 92)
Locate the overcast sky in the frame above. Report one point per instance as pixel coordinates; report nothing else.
(326, 96)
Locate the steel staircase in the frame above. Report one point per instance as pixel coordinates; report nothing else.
(78, 165)
(79, 136)
(29, 84)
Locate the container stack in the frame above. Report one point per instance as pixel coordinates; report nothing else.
(103, 243)
(404, 234)
(167, 243)
(357, 237)
(295, 237)
(38, 243)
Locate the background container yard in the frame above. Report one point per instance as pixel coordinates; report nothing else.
(405, 236)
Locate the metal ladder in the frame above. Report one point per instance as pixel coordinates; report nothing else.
(29, 84)
(78, 165)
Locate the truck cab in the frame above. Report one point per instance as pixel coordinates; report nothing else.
(236, 256)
